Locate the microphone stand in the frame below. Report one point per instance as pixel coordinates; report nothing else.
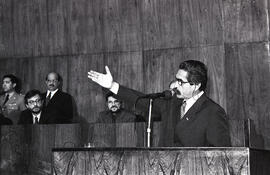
(148, 130)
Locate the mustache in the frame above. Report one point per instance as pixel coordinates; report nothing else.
(176, 91)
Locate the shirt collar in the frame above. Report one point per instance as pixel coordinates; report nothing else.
(192, 100)
(10, 94)
(52, 93)
(36, 115)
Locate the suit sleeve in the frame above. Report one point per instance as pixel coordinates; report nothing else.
(21, 104)
(68, 108)
(218, 130)
(131, 96)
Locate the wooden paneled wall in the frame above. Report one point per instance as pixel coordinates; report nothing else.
(143, 43)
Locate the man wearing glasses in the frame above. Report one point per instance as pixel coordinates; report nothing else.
(58, 102)
(189, 118)
(34, 114)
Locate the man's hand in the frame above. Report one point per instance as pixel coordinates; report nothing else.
(104, 80)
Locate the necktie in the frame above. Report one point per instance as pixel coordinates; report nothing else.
(36, 120)
(6, 99)
(48, 98)
(183, 106)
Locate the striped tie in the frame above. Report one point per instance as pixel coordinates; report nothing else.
(183, 106)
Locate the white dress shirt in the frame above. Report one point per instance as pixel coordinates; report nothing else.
(52, 93)
(36, 115)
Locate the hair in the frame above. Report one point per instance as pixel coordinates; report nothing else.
(14, 80)
(197, 72)
(109, 94)
(59, 78)
(31, 94)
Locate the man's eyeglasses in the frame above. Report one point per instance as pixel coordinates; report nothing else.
(181, 82)
(32, 102)
(52, 81)
(114, 102)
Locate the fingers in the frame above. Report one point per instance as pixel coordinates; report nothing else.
(93, 75)
(107, 70)
(105, 80)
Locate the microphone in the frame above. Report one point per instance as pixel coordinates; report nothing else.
(164, 94)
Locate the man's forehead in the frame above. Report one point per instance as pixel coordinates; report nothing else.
(6, 79)
(52, 76)
(181, 74)
(111, 98)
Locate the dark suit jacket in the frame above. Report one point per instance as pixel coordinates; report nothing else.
(205, 123)
(4, 120)
(61, 107)
(121, 116)
(26, 117)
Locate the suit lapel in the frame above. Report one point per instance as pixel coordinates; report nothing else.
(54, 97)
(29, 117)
(10, 99)
(196, 107)
(42, 118)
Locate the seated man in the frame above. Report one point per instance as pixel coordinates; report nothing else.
(115, 112)
(34, 114)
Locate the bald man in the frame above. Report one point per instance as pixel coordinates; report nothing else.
(58, 102)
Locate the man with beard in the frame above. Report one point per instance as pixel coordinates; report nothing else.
(58, 102)
(189, 118)
(115, 113)
(34, 114)
(11, 102)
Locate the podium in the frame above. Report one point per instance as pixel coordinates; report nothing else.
(160, 161)
(28, 149)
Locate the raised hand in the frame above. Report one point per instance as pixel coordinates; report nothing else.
(104, 80)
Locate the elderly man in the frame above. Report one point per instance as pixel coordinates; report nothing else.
(192, 119)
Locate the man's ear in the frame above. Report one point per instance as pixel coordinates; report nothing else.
(27, 106)
(14, 85)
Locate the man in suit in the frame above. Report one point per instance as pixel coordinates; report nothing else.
(35, 114)
(58, 102)
(190, 118)
(11, 102)
(115, 113)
